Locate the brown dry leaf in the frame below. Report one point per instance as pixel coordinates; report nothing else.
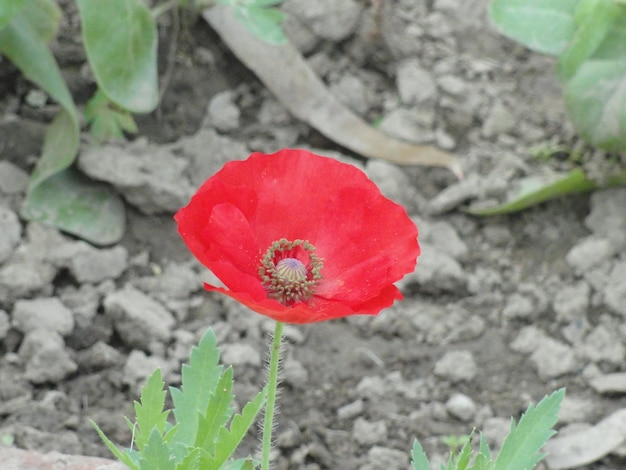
(287, 75)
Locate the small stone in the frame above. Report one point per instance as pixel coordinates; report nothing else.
(576, 410)
(415, 84)
(518, 306)
(223, 113)
(452, 84)
(5, 324)
(441, 235)
(13, 179)
(384, 458)
(615, 289)
(46, 357)
(10, 233)
(351, 410)
(461, 406)
(240, 354)
(23, 278)
(572, 301)
(289, 438)
(138, 319)
(295, 374)
(328, 19)
(150, 177)
(46, 313)
(610, 383)
(606, 216)
(371, 387)
(97, 357)
(368, 433)
(406, 125)
(554, 359)
(495, 430)
(139, 367)
(499, 121)
(589, 252)
(456, 366)
(604, 345)
(437, 271)
(350, 91)
(92, 265)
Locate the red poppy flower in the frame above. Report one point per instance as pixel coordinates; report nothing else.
(299, 237)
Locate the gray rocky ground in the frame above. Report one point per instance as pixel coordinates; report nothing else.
(499, 312)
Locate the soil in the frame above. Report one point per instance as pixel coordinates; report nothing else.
(499, 312)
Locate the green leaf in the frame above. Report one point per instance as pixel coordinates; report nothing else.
(107, 121)
(228, 439)
(265, 3)
(264, 23)
(217, 413)
(595, 98)
(239, 464)
(464, 456)
(149, 411)
(8, 9)
(199, 381)
(482, 462)
(191, 461)
(70, 201)
(520, 449)
(123, 457)
(120, 38)
(594, 19)
(543, 26)
(56, 195)
(419, 460)
(483, 447)
(21, 43)
(534, 190)
(156, 454)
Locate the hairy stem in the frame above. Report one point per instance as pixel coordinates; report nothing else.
(270, 405)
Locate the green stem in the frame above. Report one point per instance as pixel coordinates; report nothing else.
(270, 404)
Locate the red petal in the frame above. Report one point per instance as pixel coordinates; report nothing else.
(318, 310)
(367, 241)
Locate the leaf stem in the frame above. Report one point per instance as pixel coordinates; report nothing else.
(270, 405)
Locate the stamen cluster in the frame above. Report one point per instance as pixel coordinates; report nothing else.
(290, 270)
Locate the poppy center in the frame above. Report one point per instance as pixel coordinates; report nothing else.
(290, 271)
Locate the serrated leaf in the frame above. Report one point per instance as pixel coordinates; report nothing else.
(123, 457)
(72, 202)
(191, 461)
(464, 455)
(217, 413)
(543, 26)
(265, 23)
(156, 454)
(419, 460)
(594, 19)
(120, 38)
(228, 439)
(199, 381)
(520, 449)
(483, 447)
(149, 412)
(481, 462)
